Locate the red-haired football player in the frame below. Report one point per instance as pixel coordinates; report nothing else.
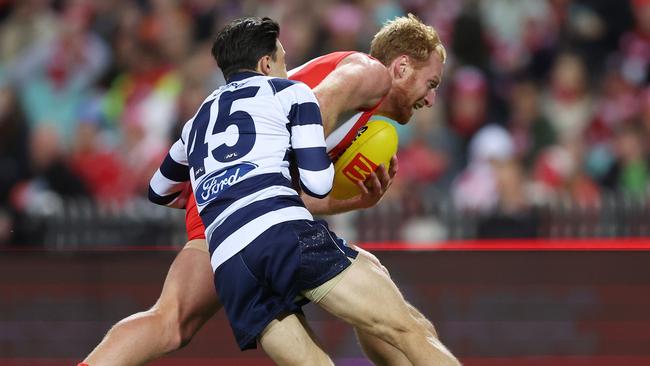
(401, 74)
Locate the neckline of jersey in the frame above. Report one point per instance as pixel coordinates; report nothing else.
(241, 75)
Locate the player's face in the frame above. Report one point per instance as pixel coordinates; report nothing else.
(418, 88)
(278, 66)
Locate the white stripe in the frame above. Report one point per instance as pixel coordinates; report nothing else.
(247, 233)
(164, 186)
(272, 191)
(318, 182)
(297, 93)
(177, 153)
(307, 136)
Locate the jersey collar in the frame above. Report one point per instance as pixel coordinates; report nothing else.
(241, 75)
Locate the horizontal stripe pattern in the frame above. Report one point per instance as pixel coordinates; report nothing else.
(220, 215)
(317, 184)
(279, 84)
(312, 159)
(307, 113)
(171, 178)
(307, 136)
(163, 191)
(238, 240)
(174, 171)
(162, 200)
(232, 223)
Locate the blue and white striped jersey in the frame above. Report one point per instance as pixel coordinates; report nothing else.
(236, 151)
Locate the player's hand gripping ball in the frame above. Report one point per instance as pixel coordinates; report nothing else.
(375, 143)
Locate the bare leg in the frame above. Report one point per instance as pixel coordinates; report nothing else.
(187, 301)
(379, 352)
(384, 354)
(289, 341)
(356, 299)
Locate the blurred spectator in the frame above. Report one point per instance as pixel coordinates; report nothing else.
(14, 137)
(618, 104)
(476, 188)
(513, 216)
(494, 187)
(594, 28)
(630, 172)
(53, 74)
(560, 175)
(531, 132)
(50, 178)
(635, 45)
(343, 22)
(143, 104)
(101, 168)
(568, 103)
(467, 105)
(516, 31)
(645, 115)
(14, 158)
(30, 22)
(471, 48)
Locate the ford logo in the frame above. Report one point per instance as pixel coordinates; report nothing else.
(212, 185)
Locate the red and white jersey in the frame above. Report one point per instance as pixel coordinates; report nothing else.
(313, 73)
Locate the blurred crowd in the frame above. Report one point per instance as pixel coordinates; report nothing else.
(541, 100)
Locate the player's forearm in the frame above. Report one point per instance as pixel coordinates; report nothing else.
(330, 205)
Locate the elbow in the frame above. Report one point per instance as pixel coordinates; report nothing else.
(165, 200)
(317, 184)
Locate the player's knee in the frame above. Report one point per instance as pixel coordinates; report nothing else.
(381, 353)
(393, 332)
(422, 320)
(173, 335)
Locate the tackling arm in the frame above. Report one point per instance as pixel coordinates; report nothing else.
(169, 185)
(315, 168)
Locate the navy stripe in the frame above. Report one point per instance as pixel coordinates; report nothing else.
(306, 190)
(247, 214)
(279, 85)
(288, 155)
(172, 170)
(162, 200)
(312, 158)
(306, 113)
(239, 190)
(239, 76)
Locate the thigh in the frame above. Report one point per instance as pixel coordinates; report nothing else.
(365, 295)
(189, 284)
(373, 259)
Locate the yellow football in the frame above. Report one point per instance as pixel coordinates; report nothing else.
(375, 143)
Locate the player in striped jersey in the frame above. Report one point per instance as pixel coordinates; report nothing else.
(342, 82)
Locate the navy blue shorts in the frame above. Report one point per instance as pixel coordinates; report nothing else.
(262, 281)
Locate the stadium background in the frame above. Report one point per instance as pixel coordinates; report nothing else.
(540, 131)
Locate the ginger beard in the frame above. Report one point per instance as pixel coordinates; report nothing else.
(403, 98)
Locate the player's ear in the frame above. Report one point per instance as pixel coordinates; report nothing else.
(401, 67)
(264, 65)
